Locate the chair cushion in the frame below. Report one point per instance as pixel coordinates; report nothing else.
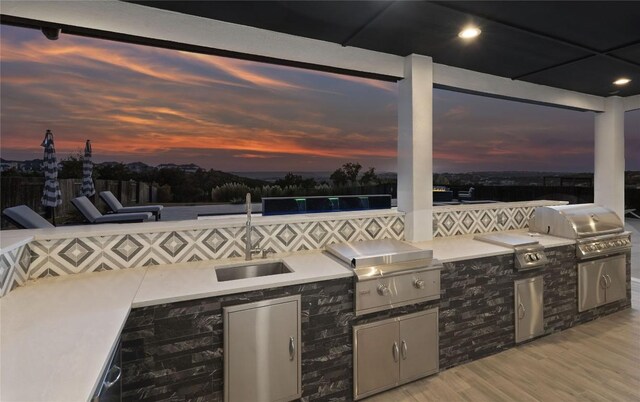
(26, 217)
(142, 208)
(111, 201)
(86, 208)
(122, 218)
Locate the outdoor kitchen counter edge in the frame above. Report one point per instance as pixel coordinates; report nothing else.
(56, 334)
(458, 248)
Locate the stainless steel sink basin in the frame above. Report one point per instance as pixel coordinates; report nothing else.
(253, 270)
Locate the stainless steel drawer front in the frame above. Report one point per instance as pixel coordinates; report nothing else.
(395, 291)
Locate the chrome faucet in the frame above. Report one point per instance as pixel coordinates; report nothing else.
(248, 251)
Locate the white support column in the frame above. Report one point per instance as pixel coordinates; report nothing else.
(415, 148)
(609, 156)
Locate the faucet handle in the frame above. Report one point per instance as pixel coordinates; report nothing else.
(266, 252)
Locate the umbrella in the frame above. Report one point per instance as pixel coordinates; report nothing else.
(87, 169)
(51, 196)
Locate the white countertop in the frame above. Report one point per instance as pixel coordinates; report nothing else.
(494, 205)
(63, 232)
(11, 239)
(56, 334)
(464, 247)
(188, 281)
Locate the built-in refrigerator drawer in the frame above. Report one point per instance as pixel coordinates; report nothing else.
(529, 308)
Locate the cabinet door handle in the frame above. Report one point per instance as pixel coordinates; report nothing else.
(608, 277)
(292, 348)
(521, 311)
(404, 350)
(395, 351)
(603, 282)
(110, 383)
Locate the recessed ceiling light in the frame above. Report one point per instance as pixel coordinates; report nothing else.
(469, 33)
(622, 81)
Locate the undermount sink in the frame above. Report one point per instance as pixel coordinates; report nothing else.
(252, 270)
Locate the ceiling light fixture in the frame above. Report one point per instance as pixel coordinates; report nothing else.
(469, 33)
(622, 81)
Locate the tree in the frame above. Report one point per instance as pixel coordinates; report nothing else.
(112, 171)
(351, 171)
(369, 177)
(339, 178)
(294, 180)
(71, 167)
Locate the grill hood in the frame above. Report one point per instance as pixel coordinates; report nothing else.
(575, 221)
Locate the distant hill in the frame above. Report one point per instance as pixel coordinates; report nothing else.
(219, 178)
(317, 176)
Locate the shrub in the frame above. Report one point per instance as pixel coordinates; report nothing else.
(230, 191)
(164, 193)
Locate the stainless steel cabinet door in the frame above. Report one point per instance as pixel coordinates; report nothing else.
(262, 351)
(591, 284)
(615, 273)
(529, 308)
(376, 356)
(419, 354)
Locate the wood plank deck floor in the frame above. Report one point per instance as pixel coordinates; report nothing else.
(597, 361)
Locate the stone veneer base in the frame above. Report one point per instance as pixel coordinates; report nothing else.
(176, 349)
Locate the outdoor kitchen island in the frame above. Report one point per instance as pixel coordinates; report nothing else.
(172, 336)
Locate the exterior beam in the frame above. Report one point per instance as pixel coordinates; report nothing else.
(632, 103)
(473, 81)
(127, 19)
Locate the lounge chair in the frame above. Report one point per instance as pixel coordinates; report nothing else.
(466, 195)
(26, 218)
(114, 205)
(92, 215)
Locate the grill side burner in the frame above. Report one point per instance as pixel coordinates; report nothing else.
(389, 273)
(529, 253)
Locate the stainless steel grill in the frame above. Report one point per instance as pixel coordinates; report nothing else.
(389, 273)
(598, 231)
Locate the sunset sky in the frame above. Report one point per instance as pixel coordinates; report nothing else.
(139, 103)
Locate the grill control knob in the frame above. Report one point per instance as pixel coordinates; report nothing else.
(418, 283)
(383, 290)
(537, 256)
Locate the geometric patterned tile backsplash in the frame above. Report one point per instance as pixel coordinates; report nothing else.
(89, 254)
(44, 258)
(14, 266)
(470, 221)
